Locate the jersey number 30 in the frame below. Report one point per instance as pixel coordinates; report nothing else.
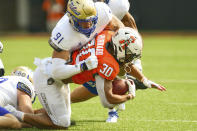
(107, 70)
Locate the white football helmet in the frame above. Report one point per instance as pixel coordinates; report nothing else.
(24, 72)
(82, 11)
(127, 44)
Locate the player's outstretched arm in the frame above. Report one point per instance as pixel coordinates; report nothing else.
(132, 70)
(61, 70)
(151, 84)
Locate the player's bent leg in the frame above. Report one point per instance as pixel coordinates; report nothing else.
(80, 94)
(40, 120)
(55, 105)
(52, 98)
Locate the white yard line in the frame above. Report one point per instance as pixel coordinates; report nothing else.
(178, 81)
(184, 121)
(186, 104)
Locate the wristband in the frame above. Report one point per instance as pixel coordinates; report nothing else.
(146, 82)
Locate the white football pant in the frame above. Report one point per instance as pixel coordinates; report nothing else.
(55, 98)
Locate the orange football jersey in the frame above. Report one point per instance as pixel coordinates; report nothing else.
(107, 68)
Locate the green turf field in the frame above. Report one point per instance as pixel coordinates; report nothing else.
(169, 60)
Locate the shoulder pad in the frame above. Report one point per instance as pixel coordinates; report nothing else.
(55, 47)
(23, 87)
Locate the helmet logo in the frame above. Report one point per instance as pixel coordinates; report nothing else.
(73, 8)
(127, 42)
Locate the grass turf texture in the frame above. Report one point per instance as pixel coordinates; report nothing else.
(168, 60)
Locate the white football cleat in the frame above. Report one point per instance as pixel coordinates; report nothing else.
(113, 117)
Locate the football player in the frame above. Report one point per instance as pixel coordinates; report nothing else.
(16, 90)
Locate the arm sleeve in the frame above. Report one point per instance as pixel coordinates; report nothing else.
(61, 70)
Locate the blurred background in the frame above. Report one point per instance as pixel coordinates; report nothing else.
(34, 16)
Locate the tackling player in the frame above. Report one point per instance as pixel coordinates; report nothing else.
(16, 90)
(82, 22)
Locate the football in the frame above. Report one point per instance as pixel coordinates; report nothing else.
(120, 87)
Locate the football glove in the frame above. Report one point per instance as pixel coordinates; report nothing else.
(90, 63)
(131, 85)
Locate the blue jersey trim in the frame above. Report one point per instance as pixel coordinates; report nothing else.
(21, 86)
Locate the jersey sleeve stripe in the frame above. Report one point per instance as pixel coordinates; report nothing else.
(22, 87)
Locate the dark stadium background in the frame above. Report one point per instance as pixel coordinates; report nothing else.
(27, 15)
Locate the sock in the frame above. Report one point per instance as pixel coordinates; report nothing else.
(113, 109)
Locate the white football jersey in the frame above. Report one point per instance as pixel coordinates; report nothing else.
(66, 38)
(119, 7)
(8, 89)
